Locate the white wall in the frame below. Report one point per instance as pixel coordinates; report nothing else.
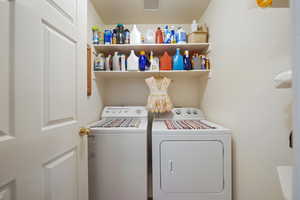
(249, 47)
(94, 103)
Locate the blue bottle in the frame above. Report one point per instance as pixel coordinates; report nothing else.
(187, 61)
(178, 61)
(143, 61)
(107, 37)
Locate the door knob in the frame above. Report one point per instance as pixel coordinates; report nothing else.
(84, 131)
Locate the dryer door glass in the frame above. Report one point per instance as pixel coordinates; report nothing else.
(192, 166)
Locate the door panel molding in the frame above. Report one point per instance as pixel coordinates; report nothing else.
(62, 8)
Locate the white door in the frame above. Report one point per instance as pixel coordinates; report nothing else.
(192, 166)
(42, 63)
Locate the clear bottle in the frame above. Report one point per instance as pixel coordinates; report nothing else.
(194, 26)
(181, 36)
(135, 36)
(95, 30)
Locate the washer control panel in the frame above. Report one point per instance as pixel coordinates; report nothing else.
(126, 111)
(183, 114)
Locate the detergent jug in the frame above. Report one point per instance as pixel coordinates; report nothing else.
(135, 36)
(142, 61)
(178, 61)
(132, 62)
(165, 62)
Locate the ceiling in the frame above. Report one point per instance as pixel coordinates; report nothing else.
(132, 11)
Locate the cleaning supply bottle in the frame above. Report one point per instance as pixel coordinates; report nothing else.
(108, 63)
(127, 36)
(194, 26)
(150, 38)
(178, 61)
(114, 37)
(132, 62)
(187, 61)
(135, 36)
(158, 36)
(142, 61)
(95, 30)
(123, 62)
(120, 34)
(116, 62)
(173, 35)
(165, 62)
(196, 62)
(203, 62)
(154, 64)
(181, 36)
(107, 37)
(167, 35)
(101, 36)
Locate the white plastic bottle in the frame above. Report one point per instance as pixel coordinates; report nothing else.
(107, 63)
(123, 63)
(194, 26)
(154, 63)
(135, 36)
(132, 62)
(116, 62)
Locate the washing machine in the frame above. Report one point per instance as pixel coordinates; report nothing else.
(191, 157)
(118, 154)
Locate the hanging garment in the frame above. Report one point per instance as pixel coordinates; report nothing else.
(159, 100)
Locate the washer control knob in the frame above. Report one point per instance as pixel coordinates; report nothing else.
(195, 112)
(188, 112)
(178, 112)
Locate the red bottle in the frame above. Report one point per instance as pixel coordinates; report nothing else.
(158, 36)
(165, 62)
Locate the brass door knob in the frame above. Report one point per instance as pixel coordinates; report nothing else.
(84, 131)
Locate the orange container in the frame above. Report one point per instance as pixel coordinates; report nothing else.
(165, 62)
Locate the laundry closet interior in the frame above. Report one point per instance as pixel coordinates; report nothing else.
(217, 59)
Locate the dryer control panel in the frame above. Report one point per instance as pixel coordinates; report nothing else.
(183, 114)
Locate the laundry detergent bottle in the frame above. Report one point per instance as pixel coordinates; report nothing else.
(187, 61)
(132, 62)
(178, 61)
(142, 61)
